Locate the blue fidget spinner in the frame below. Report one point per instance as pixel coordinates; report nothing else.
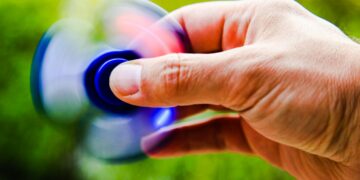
(71, 70)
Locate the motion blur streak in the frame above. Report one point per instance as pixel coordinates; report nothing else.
(64, 71)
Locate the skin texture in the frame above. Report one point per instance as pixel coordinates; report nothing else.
(292, 78)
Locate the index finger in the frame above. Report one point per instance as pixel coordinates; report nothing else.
(214, 26)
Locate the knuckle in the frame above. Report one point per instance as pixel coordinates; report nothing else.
(183, 11)
(275, 11)
(280, 5)
(174, 75)
(272, 15)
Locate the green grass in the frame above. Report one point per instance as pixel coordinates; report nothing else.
(33, 148)
(225, 166)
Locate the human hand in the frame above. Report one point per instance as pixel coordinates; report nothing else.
(292, 77)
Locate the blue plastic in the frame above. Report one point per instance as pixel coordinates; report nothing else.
(96, 81)
(35, 77)
(102, 81)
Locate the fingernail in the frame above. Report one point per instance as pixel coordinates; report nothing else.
(125, 79)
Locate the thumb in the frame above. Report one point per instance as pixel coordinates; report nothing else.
(186, 79)
(174, 79)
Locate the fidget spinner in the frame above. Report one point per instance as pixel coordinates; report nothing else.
(71, 69)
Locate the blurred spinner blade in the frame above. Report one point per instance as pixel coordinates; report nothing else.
(70, 76)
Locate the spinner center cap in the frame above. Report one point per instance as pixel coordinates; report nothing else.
(97, 77)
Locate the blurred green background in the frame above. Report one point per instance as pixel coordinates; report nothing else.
(33, 148)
